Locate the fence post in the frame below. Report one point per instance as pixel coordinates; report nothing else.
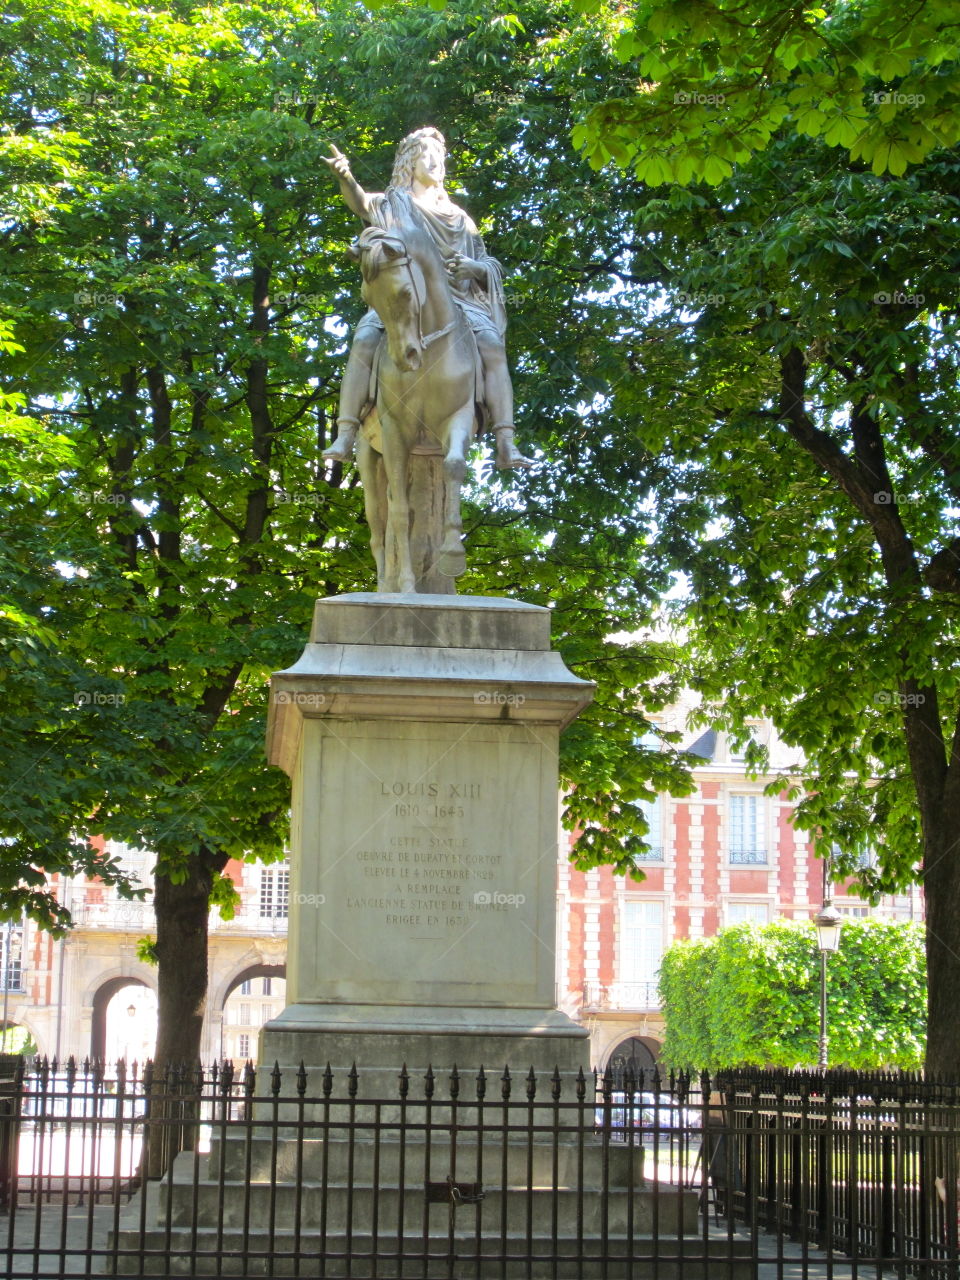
(11, 1093)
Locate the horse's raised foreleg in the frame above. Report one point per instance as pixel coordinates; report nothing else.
(370, 466)
(395, 456)
(451, 561)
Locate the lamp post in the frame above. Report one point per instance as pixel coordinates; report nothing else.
(827, 923)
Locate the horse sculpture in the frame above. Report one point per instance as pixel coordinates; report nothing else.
(426, 410)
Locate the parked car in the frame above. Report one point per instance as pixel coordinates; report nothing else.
(647, 1111)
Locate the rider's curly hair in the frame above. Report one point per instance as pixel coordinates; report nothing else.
(407, 153)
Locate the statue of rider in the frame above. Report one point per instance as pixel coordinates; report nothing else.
(476, 281)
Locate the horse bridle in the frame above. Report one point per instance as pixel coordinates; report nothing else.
(420, 289)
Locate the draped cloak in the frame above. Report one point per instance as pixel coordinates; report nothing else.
(452, 231)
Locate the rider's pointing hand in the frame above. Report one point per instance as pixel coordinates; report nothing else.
(338, 162)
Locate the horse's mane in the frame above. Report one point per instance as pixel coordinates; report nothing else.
(372, 248)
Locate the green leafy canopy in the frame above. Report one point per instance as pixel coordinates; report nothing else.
(751, 997)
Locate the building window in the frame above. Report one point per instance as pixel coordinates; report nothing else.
(852, 910)
(246, 987)
(267, 986)
(266, 1013)
(641, 950)
(243, 1045)
(244, 1015)
(866, 856)
(274, 893)
(11, 957)
(747, 837)
(652, 810)
(748, 913)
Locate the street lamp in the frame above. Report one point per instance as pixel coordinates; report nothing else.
(828, 923)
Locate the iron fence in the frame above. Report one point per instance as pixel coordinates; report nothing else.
(862, 1165)
(222, 1172)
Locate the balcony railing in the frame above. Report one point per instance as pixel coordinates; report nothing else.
(755, 857)
(113, 914)
(636, 996)
(653, 854)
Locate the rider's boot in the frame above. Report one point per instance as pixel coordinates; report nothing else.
(508, 455)
(342, 448)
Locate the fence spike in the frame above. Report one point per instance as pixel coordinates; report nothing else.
(581, 1085)
(481, 1084)
(506, 1084)
(428, 1081)
(404, 1079)
(301, 1080)
(353, 1081)
(531, 1084)
(327, 1081)
(556, 1082)
(454, 1083)
(607, 1084)
(275, 1079)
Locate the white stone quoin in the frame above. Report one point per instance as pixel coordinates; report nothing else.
(421, 733)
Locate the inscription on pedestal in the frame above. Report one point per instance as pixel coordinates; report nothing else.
(426, 879)
(418, 858)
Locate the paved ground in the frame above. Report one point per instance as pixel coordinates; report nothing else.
(85, 1231)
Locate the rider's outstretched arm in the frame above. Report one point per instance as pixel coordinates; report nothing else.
(356, 198)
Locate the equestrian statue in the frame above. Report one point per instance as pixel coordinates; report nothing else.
(427, 367)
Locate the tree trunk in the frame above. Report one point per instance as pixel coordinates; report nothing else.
(941, 886)
(182, 911)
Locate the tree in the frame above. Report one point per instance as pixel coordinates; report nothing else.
(174, 268)
(47, 783)
(796, 359)
(709, 85)
(750, 997)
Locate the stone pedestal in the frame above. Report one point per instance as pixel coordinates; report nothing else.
(421, 734)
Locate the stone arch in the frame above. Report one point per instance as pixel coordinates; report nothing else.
(143, 975)
(636, 1055)
(101, 998)
(250, 968)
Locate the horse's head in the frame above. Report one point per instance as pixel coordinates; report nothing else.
(393, 285)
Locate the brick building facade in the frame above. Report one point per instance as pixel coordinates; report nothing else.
(720, 856)
(89, 994)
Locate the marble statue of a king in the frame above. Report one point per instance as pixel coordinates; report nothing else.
(475, 278)
(427, 366)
